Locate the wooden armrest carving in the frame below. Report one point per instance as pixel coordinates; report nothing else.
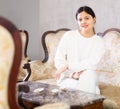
(25, 70)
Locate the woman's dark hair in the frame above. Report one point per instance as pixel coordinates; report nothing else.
(87, 10)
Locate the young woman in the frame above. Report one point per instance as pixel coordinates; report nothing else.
(78, 54)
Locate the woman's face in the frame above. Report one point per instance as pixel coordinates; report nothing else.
(85, 21)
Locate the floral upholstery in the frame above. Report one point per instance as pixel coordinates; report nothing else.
(5, 48)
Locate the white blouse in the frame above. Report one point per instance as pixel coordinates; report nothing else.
(79, 52)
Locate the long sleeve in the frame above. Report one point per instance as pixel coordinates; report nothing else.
(60, 56)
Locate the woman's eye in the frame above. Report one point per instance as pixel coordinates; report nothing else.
(87, 18)
(80, 19)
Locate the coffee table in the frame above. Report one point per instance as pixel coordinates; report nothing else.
(37, 94)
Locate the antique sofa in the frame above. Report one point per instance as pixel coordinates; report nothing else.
(108, 69)
(10, 58)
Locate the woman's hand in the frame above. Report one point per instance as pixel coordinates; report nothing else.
(57, 74)
(76, 75)
(59, 71)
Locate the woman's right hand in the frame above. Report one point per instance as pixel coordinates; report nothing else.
(59, 71)
(57, 74)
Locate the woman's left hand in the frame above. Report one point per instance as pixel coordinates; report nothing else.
(76, 75)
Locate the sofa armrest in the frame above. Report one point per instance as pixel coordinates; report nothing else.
(40, 70)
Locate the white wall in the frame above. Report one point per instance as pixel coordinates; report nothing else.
(38, 16)
(25, 15)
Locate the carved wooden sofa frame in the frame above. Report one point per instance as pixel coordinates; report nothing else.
(25, 71)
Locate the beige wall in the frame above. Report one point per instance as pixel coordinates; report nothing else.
(38, 16)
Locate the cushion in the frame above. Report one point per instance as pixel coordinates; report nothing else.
(112, 94)
(41, 70)
(6, 47)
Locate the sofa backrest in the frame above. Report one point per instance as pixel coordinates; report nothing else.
(50, 41)
(109, 65)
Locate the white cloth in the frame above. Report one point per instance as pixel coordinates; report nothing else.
(87, 82)
(80, 53)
